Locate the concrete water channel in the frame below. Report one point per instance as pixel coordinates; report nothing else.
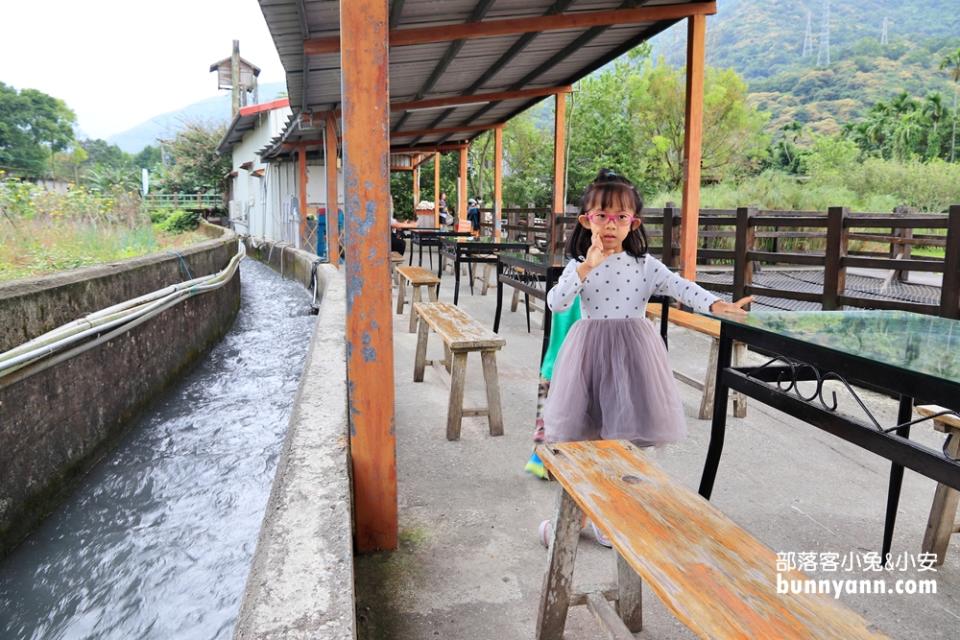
(158, 539)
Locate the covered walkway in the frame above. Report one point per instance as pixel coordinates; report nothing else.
(469, 564)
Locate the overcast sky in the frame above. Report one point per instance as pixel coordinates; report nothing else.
(117, 63)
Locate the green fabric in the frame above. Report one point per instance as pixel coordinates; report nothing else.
(560, 325)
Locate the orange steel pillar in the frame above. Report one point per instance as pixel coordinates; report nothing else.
(364, 58)
(559, 152)
(497, 180)
(436, 189)
(333, 226)
(302, 155)
(462, 191)
(692, 141)
(416, 181)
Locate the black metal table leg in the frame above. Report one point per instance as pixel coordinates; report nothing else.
(430, 254)
(526, 302)
(439, 262)
(547, 324)
(496, 316)
(410, 261)
(904, 415)
(664, 320)
(456, 278)
(470, 273)
(719, 425)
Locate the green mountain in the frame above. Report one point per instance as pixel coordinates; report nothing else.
(763, 40)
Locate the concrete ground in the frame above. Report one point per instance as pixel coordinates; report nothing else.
(470, 565)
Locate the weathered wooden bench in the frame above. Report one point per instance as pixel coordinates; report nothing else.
(712, 575)
(711, 328)
(395, 259)
(943, 512)
(418, 278)
(460, 335)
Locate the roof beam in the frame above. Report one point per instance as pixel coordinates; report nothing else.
(514, 26)
(521, 43)
(478, 98)
(396, 10)
(429, 148)
(419, 133)
(582, 40)
(452, 51)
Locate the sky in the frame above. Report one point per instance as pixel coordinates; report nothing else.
(117, 63)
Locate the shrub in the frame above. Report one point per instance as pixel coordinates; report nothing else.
(179, 221)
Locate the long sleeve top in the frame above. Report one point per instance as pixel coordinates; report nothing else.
(621, 286)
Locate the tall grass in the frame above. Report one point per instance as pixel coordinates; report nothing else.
(43, 232)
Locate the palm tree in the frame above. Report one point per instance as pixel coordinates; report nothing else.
(933, 111)
(952, 62)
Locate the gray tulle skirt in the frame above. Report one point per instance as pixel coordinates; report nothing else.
(612, 381)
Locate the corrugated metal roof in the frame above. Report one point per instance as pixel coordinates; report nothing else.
(483, 65)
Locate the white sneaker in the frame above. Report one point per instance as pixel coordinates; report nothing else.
(546, 533)
(601, 539)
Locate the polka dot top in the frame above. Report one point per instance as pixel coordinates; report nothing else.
(621, 286)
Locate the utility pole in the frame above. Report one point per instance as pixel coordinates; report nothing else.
(823, 53)
(884, 35)
(235, 79)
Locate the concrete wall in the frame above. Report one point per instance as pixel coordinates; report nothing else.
(301, 584)
(56, 423)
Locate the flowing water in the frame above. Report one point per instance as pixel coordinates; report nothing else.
(158, 539)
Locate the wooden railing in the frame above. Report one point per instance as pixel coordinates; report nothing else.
(746, 239)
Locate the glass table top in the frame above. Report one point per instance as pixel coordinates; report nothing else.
(909, 341)
(539, 259)
(486, 240)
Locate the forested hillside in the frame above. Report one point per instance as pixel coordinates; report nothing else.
(763, 40)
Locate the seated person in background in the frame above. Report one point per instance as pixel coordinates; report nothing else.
(473, 215)
(397, 243)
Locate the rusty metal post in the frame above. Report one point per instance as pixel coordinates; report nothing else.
(692, 153)
(462, 191)
(559, 168)
(497, 182)
(364, 62)
(333, 224)
(436, 190)
(302, 157)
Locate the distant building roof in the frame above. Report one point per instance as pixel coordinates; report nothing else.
(246, 120)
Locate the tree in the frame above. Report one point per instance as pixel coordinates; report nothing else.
(33, 126)
(733, 138)
(952, 62)
(196, 166)
(528, 160)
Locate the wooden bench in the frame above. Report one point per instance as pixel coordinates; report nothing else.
(460, 335)
(711, 328)
(712, 575)
(417, 277)
(943, 512)
(395, 259)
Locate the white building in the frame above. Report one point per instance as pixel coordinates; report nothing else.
(264, 182)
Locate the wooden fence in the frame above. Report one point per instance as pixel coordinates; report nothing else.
(746, 239)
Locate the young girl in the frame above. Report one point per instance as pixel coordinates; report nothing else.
(612, 379)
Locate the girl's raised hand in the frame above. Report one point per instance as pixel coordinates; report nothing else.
(596, 254)
(735, 309)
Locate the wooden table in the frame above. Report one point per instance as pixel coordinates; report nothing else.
(914, 358)
(473, 251)
(430, 238)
